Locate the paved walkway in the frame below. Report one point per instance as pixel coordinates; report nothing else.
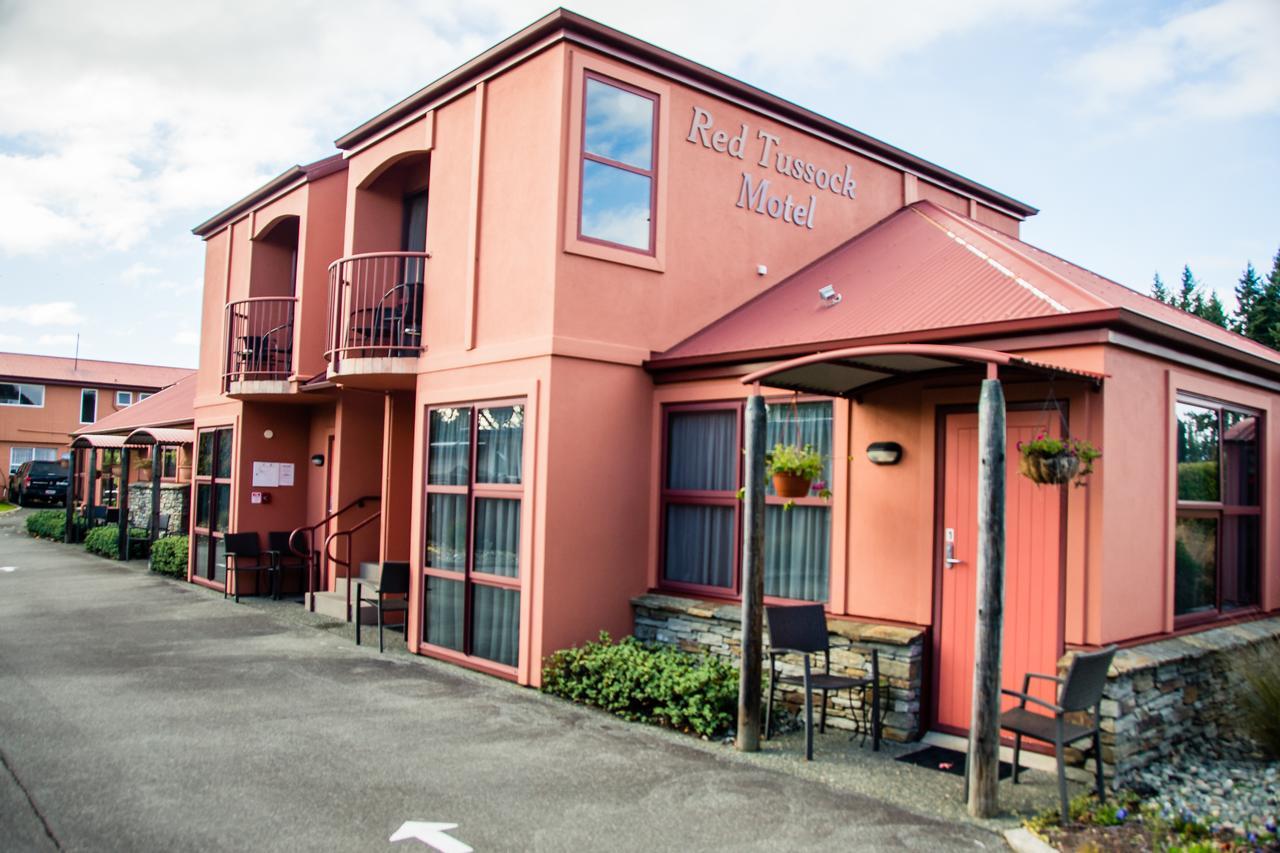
(142, 714)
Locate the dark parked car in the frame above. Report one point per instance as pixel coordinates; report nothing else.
(39, 482)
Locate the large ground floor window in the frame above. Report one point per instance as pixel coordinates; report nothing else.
(1219, 516)
(702, 515)
(212, 503)
(474, 492)
(18, 455)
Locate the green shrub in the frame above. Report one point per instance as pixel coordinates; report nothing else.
(649, 683)
(103, 541)
(1259, 699)
(169, 556)
(47, 524)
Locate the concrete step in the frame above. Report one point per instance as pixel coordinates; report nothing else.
(334, 605)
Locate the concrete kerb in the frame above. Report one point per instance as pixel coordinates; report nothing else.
(841, 763)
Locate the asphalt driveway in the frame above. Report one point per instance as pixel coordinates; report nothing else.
(142, 714)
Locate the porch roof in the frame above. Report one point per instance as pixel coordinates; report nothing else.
(853, 371)
(98, 442)
(148, 436)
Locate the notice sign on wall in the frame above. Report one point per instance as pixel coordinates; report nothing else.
(270, 475)
(757, 193)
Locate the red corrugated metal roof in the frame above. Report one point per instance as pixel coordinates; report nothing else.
(70, 371)
(172, 407)
(924, 268)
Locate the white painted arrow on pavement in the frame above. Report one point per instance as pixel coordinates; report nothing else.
(8, 568)
(432, 835)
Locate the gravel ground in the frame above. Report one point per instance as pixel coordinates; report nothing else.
(1224, 783)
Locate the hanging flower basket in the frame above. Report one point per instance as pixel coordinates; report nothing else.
(793, 469)
(1056, 461)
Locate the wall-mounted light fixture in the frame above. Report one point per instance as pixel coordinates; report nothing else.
(318, 460)
(268, 434)
(884, 452)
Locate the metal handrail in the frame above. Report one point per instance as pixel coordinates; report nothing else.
(346, 564)
(310, 554)
(258, 339)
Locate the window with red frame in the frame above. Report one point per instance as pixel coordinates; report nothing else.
(475, 488)
(702, 516)
(1217, 534)
(619, 168)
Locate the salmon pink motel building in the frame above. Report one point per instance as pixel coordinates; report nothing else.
(501, 335)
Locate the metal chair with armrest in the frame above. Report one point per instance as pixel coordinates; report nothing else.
(394, 580)
(240, 548)
(1079, 691)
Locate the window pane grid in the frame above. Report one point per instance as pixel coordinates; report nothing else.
(618, 169)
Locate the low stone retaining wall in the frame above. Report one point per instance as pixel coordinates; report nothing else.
(173, 500)
(715, 628)
(1163, 694)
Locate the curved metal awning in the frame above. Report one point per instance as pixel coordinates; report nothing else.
(853, 371)
(100, 442)
(150, 436)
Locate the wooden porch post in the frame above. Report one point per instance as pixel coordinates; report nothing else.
(70, 497)
(157, 462)
(752, 576)
(122, 506)
(984, 731)
(91, 486)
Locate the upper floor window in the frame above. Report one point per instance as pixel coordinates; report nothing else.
(15, 394)
(88, 405)
(1216, 541)
(124, 398)
(18, 455)
(142, 395)
(619, 133)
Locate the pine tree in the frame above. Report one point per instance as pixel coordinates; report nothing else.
(1187, 298)
(1267, 309)
(1248, 295)
(1159, 291)
(1213, 310)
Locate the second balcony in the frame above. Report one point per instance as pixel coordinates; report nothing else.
(375, 317)
(259, 346)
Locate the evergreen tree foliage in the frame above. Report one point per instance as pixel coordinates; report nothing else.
(1268, 308)
(1188, 297)
(1160, 292)
(1248, 297)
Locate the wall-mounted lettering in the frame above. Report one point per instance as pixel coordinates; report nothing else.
(758, 194)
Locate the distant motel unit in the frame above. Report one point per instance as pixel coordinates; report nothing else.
(43, 399)
(502, 334)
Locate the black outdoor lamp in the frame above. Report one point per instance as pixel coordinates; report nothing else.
(884, 452)
(318, 460)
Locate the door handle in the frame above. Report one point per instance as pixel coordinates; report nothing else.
(949, 559)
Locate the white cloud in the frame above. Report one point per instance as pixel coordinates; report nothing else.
(1215, 62)
(56, 340)
(187, 337)
(7, 340)
(138, 271)
(42, 314)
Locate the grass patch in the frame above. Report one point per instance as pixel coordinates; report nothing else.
(5, 506)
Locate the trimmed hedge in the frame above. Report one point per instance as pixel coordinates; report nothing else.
(47, 524)
(104, 540)
(648, 683)
(169, 556)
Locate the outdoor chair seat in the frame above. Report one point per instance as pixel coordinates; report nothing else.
(393, 580)
(244, 555)
(286, 561)
(1041, 727)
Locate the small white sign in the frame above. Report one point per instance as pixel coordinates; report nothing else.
(286, 473)
(266, 475)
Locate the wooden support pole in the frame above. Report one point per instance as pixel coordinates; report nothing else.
(69, 499)
(752, 578)
(157, 464)
(91, 487)
(122, 506)
(984, 728)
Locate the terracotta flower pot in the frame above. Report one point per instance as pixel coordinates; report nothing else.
(790, 485)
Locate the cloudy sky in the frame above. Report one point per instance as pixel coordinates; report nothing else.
(1147, 132)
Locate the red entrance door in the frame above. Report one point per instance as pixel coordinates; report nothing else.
(1033, 567)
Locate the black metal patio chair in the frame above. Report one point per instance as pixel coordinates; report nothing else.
(394, 580)
(243, 554)
(286, 561)
(802, 630)
(1079, 691)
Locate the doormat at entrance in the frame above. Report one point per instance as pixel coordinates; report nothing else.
(946, 760)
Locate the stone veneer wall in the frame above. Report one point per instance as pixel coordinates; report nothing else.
(1165, 693)
(701, 626)
(173, 500)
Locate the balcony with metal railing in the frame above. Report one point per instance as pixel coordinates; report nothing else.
(375, 315)
(259, 346)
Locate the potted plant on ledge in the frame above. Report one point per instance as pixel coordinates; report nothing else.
(1055, 461)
